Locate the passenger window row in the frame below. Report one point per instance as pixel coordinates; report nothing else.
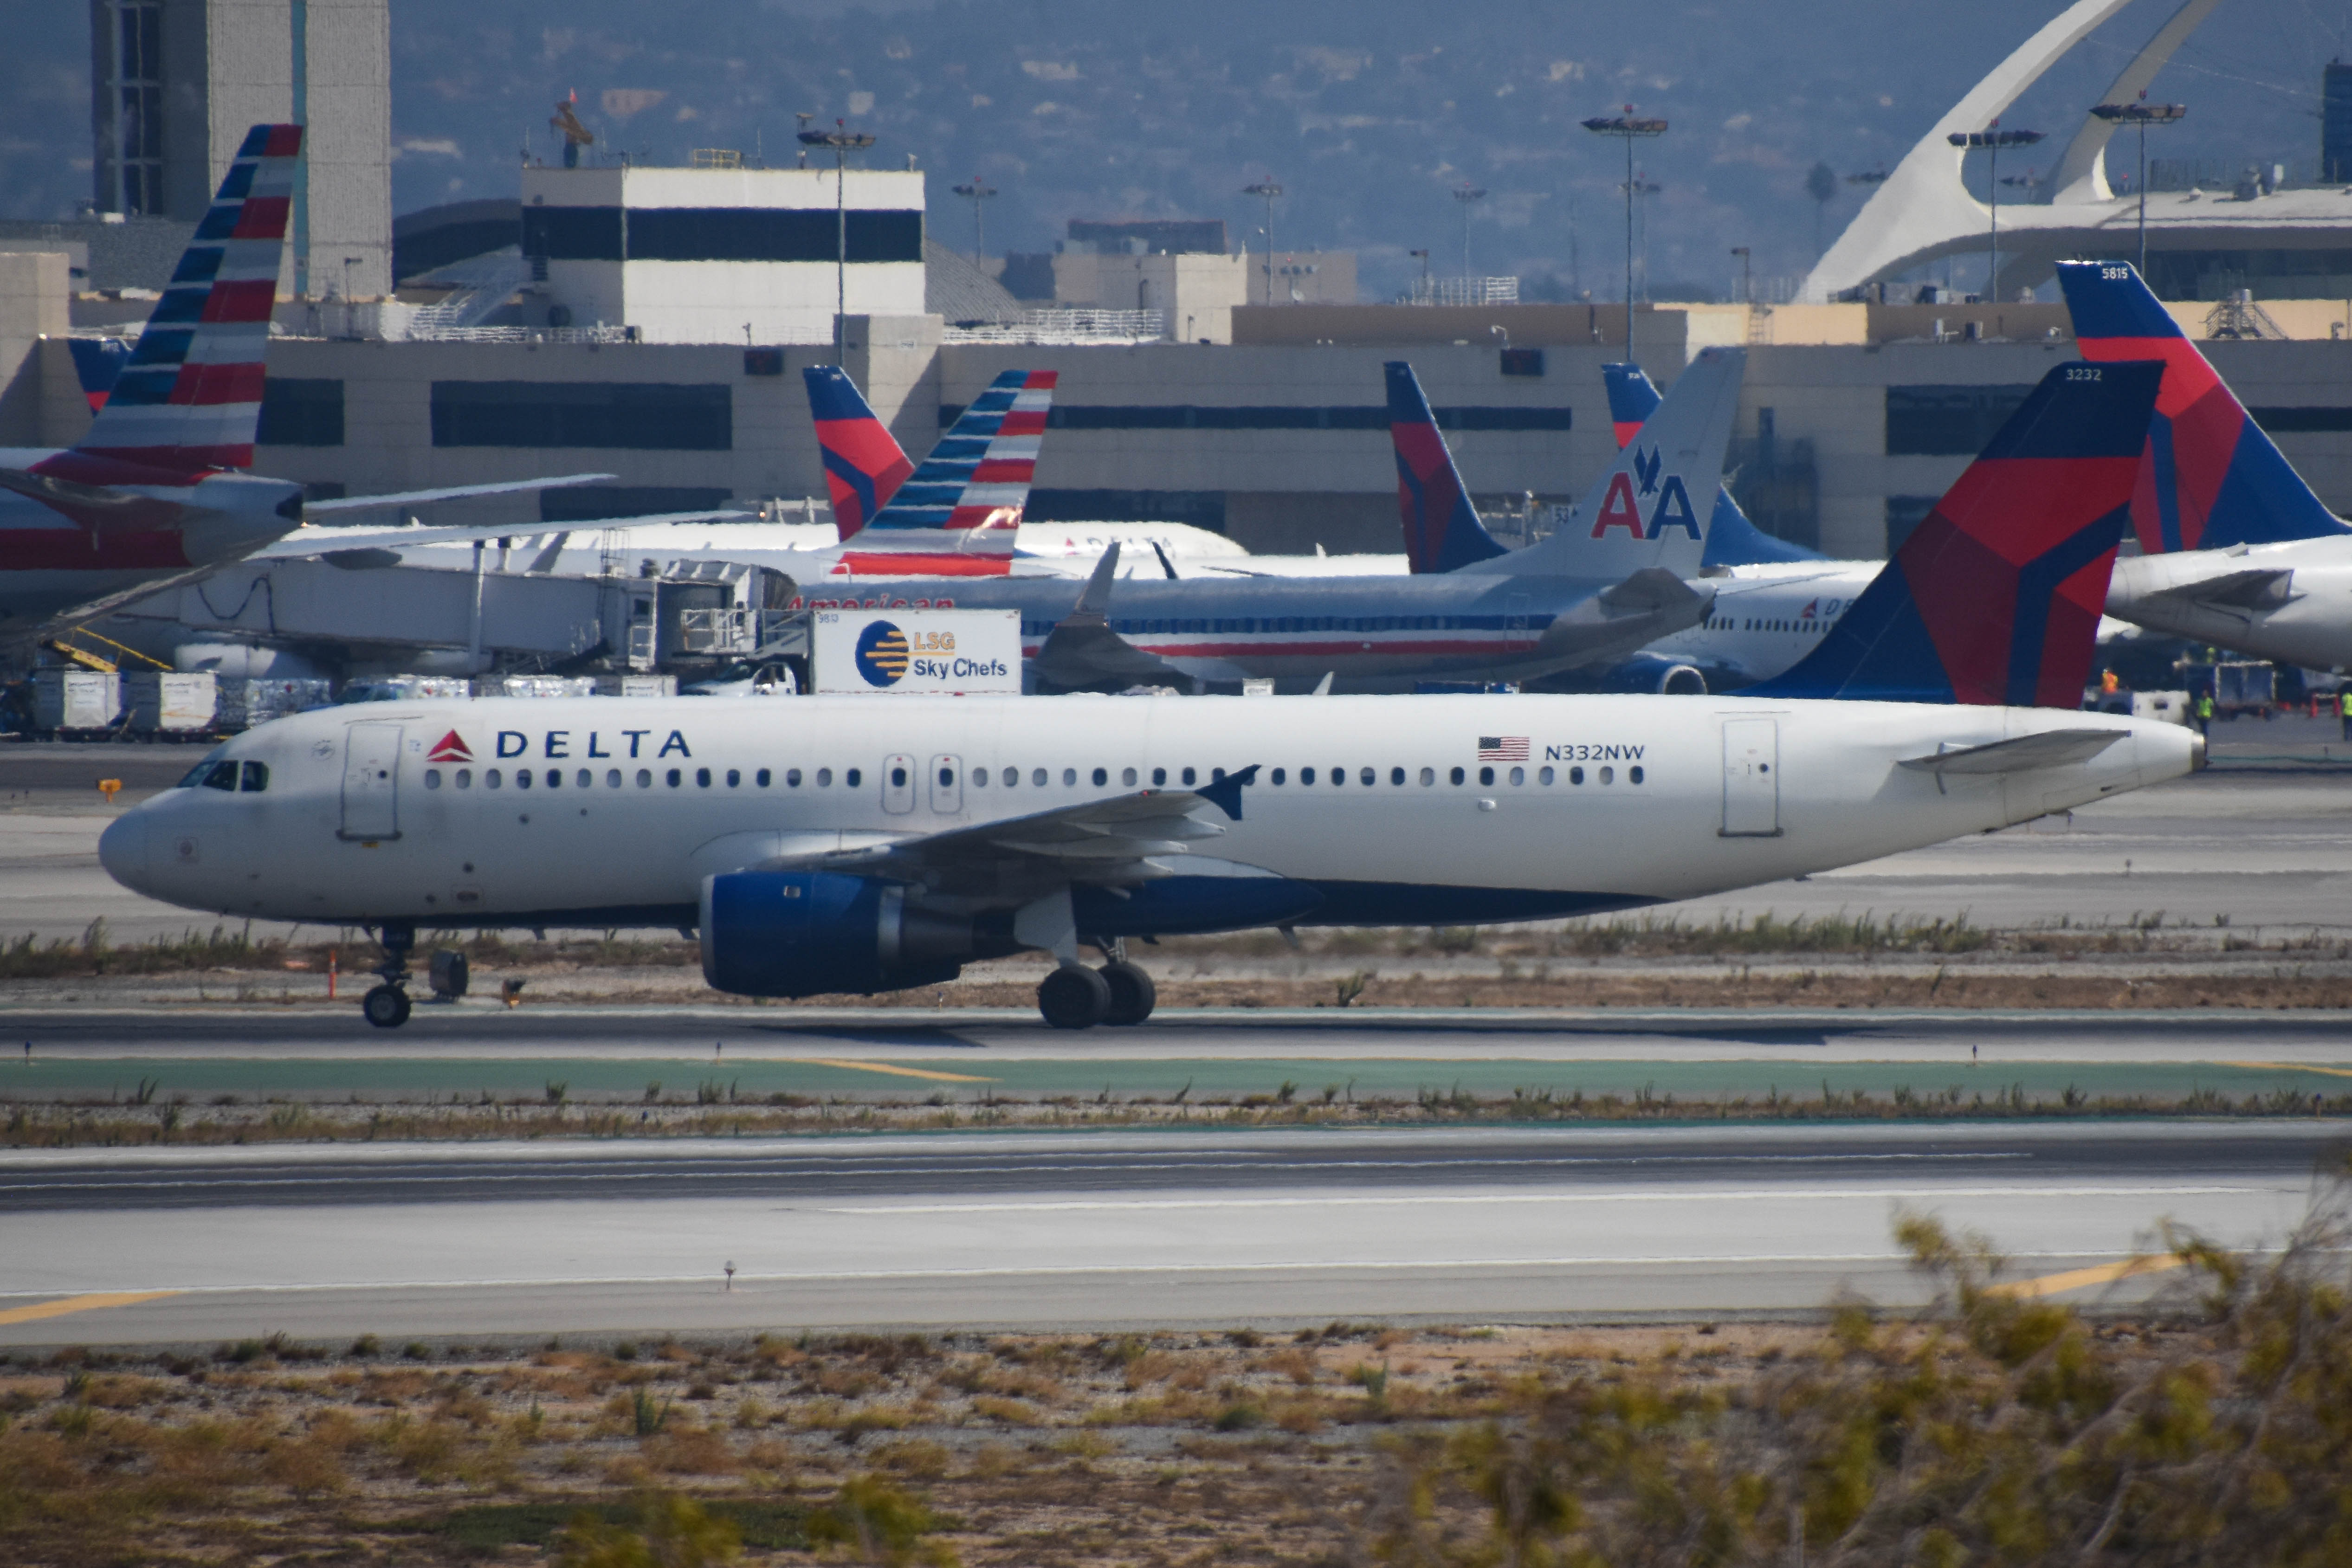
(257, 777)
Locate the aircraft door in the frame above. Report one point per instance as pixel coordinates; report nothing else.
(947, 785)
(1751, 777)
(371, 781)
(898, 784)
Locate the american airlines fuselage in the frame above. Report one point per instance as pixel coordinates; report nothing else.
(601, 812)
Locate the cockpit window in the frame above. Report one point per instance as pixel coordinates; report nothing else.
(256, 777)
(196, 775)
(222, 777)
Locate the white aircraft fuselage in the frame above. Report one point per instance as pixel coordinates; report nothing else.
(2291, 602)
(1374, 810)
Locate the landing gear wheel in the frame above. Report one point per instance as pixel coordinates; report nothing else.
(386, 1007)
(1073, 998)
(1132, 994)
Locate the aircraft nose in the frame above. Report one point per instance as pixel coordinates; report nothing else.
(122, 849)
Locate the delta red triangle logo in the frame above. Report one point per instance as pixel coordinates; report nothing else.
(449, 749)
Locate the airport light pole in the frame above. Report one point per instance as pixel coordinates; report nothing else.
(1269, 190)
(1992, 139)
(2140, 116)
(843, 142)
(976, 192)
(1465, 196)
(1629, 128)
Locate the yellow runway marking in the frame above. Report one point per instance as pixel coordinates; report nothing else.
(2075, 1279)
(894, 1071)
(58, 1309)
(2293, 1067)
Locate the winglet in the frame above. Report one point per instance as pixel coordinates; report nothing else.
(2210, 478)
(1094, 598)
(1731, 539)
(189, 398)
(1225, 794)
(1441, 530)
(1996, 597)
(864, 464)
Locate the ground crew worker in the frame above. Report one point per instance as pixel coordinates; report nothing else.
(2205, 713)
(2344, 708)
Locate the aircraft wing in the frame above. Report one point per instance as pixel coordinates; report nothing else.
(454, 492)
(2051, 749)
(311, 541)
(1643, 607)
(1110, 842)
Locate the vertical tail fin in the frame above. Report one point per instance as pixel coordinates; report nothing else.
(1649, 491)
(1996, 597)
(1731, 539)
(2210, 479)
(189, 398)
(864, 464)
(97, 362)
(1441, 530)
(958, 513)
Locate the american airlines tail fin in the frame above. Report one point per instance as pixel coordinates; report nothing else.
(864, 464)
(189, 398)
(1642, 513)
(958, 513)
(1731, 539)
(1441, 530)
(1995, 597)
(2210, 478)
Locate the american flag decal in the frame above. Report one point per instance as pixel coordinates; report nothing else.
(1502, 748)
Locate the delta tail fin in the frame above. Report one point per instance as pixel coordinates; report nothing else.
(1731, 539)
(2210, 478)
(188, 400)
(1441, 530)
(1643, 511)
(958, 513)
(1996, 596)
(864, 464)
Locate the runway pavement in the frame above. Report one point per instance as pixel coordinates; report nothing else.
(1090, 1230)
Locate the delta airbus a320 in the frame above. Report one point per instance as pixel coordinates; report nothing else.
(829, 844)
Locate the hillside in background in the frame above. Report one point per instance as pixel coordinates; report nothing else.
(1369, 114)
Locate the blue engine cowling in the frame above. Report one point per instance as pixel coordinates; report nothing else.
(802, 934)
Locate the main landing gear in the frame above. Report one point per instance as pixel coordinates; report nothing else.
(386, 1005)
(1074, 996)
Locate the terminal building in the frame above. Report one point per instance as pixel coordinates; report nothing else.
(652, 322)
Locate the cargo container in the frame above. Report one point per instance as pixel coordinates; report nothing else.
(637, 686)
(171, 705)
(76, 702)
(256, 700)
(549, 686)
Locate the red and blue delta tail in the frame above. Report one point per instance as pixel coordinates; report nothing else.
(1441, 530)
(2210, 478)
(1731, 539)
(958, 513)
(864, 464)
(1996, 597)
(189, 398)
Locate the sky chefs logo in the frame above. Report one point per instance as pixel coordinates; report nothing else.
(883, 655)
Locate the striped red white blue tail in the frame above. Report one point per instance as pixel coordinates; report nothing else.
(864, 464)
(1995, 597)
(2211, 478)
(189, 399)
(958, 513)
(1441, 530)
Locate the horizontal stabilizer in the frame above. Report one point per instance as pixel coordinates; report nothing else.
(1082, 654)
(454, 492)
(2253, 590)
(2051, 749)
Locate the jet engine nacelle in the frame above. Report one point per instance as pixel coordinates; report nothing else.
(804, 934)
(1649, 672)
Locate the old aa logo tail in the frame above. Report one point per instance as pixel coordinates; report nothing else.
(864, 465)
(1645, 511)
(1441, 530)
(188, 400)
(958, 513)
(1731, 539)
(1995, 597)
(2210, 478)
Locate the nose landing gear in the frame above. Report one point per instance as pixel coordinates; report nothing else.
(1074, 996)
(386, 1005)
